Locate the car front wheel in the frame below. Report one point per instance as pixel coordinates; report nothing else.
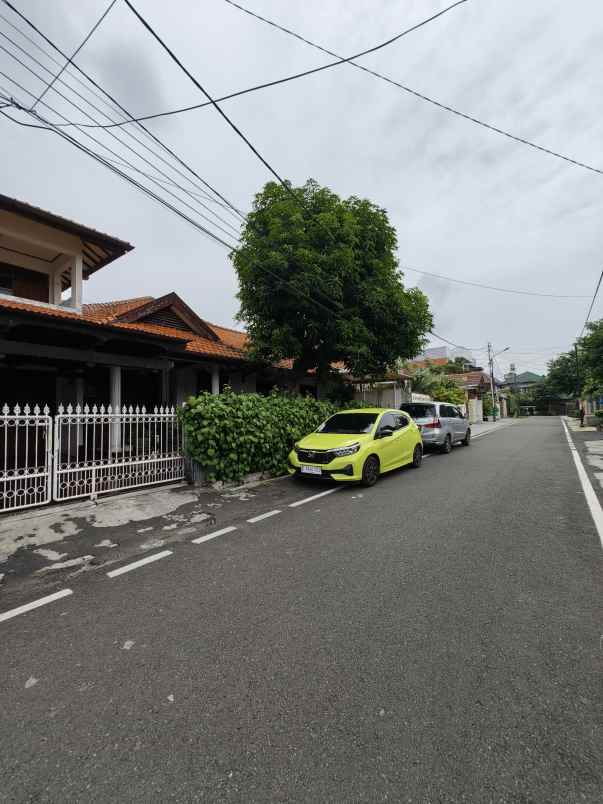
(370, 471)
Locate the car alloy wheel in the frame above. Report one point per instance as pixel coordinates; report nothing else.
(370, 471)
(417, 457)
(447, 445)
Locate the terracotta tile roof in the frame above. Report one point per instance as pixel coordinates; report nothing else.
(471, 379)
(99, 248)
(107, 311)
(432, 361)
(64, 313)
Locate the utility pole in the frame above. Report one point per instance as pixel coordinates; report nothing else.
(491, 363)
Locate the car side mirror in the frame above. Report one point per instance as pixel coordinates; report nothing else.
(384, 432)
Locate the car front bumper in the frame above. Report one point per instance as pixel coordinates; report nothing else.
(347, 468)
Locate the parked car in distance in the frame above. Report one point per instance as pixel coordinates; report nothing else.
(358, 445)
(441, 424)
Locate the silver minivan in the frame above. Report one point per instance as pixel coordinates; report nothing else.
(441, 424)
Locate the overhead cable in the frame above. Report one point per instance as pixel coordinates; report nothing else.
(85, 84)
(592, 304)
(55, 47)
(71, 58)
(491, 287)
(295, 76)
(420, 95)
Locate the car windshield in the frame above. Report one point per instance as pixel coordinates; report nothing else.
(419, 411)
(351, 423)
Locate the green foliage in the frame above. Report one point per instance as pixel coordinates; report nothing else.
(562, 377)
(319, 283)
(487, 405)
(231, 435)
(590, 357)
(570, 374)
(437, 385)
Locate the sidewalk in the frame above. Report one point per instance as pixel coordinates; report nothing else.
(480, 428)
(574, 425)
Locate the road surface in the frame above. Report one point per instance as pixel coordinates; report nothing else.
(432, 639)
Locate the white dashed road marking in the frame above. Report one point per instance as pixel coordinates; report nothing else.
(263, 516)
(7, 615)
(313, 497)
(591, 498)
(213, 535)
(148, 560)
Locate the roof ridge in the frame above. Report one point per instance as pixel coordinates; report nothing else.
(228, 329)
(118, 301)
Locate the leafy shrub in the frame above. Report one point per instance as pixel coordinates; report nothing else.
(231, 435)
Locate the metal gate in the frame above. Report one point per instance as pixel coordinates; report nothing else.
(98, 450)
(25, 457)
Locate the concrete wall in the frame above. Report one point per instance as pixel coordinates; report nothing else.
(475, 411)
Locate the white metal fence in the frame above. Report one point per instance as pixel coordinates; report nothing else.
(89, 451)
(25, 457)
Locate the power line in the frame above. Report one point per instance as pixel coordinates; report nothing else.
(420, 95)
(106, 147)
(112, 106)
(491, 287)
(55, 47)
(71, 58)
(48, 126)
(456, 345)
(199, 86)
(592, 304)
(295, 76)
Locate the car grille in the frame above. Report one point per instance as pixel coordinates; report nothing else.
(314, 456)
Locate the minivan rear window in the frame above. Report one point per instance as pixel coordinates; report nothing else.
(419, 410)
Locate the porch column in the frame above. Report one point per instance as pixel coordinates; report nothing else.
(76, 281)
(115, 400)
(215, 380)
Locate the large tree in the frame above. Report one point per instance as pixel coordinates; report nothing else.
(580, 370)
(590, 358)
(319, 283)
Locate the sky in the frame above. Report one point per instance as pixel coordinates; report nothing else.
(466, 202)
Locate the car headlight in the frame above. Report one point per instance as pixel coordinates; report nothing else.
(340, 452)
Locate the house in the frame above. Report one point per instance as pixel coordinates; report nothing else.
(521, 383)
(475, 385)
(55, 348)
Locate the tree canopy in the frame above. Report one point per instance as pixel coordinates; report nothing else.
(320, 284)
(581, 370)
(438, 385)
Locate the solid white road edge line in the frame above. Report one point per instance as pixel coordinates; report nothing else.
(7, 615)
(313, 497)
(213, 535)
(148, 560)
(263, 516)
(591, 498)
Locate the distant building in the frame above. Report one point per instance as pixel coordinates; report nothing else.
(521, 383)
(448, 353)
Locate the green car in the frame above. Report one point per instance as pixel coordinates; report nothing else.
(358, 445)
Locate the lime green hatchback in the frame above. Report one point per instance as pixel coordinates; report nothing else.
(358, 445)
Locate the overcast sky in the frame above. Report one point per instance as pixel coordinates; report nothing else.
(466, 202)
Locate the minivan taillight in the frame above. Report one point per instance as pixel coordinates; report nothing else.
(433, 425)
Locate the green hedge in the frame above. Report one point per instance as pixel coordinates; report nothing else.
(231, 435)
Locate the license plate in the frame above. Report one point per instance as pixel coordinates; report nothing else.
(311, 470)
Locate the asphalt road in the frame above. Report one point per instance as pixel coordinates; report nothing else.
(433, 639)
